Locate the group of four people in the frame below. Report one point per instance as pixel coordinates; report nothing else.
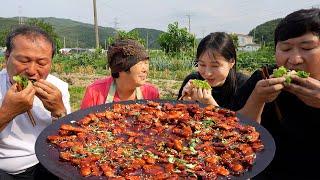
(289, 111)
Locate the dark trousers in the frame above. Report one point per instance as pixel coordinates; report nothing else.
(35, 172)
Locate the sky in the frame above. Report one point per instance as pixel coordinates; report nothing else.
(238, 16)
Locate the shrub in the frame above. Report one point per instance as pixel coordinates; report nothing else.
(253, 60)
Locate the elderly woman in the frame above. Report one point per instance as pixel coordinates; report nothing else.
(129, 64)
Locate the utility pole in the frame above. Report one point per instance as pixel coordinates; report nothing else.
(96, 23)
(202, 31)
(64, 42)
(189, 17)
(77, 45)
(254, 34)
(116, 23)
(194, 44)
(147, 41)
(20, 13)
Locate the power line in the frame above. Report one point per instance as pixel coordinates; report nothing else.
(21, 20)
(118, 10)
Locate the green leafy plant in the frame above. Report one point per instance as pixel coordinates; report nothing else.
(126, 35)
(201, 84)
(281, 71)
(303, 74)
(176, 40)
(22, 80)
(250, 61)
(284, 72)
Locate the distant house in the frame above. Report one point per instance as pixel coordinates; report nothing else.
(2, 50)
(250, 47)
(64, 50)
(67, 51)
(246, 43)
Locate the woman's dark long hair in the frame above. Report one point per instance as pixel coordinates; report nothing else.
(222, 43)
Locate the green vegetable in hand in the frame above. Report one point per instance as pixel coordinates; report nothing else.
(284, 72)
(22, 80)
(201, 84)
(281, 71)
(288, 79)
(303, 74)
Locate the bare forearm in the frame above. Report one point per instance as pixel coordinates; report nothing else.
(5, 118)
(252, 109)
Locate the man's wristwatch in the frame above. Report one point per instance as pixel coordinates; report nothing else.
(58, 116)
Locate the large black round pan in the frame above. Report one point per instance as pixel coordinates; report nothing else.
(48, 155)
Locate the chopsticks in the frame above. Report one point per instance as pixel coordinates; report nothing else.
(265, 75)
(33, 122)
(180, 98)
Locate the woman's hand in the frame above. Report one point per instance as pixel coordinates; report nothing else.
(189, 92)
(204, 96)
(306, 89)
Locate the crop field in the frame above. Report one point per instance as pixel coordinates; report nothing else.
(166, 72)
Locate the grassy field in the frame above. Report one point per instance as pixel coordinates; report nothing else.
(76, 94)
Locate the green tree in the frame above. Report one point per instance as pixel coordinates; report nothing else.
(235, 39)
(264, 33)
(176, 39)
(3, 35)
(48, 28)
(126, 35)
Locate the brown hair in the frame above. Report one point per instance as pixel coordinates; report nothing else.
(123, 54)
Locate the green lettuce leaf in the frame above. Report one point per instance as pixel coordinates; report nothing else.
(284, 72)
(22, 80)
(201, 84)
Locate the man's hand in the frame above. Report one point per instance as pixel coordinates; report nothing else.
(15, 103)
(267, 90)
(306, 89)
(51, 97)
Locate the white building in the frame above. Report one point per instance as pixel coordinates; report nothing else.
(64, 50)
(2, 50)
(246, 43)
(77, 50)
(250, 47)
